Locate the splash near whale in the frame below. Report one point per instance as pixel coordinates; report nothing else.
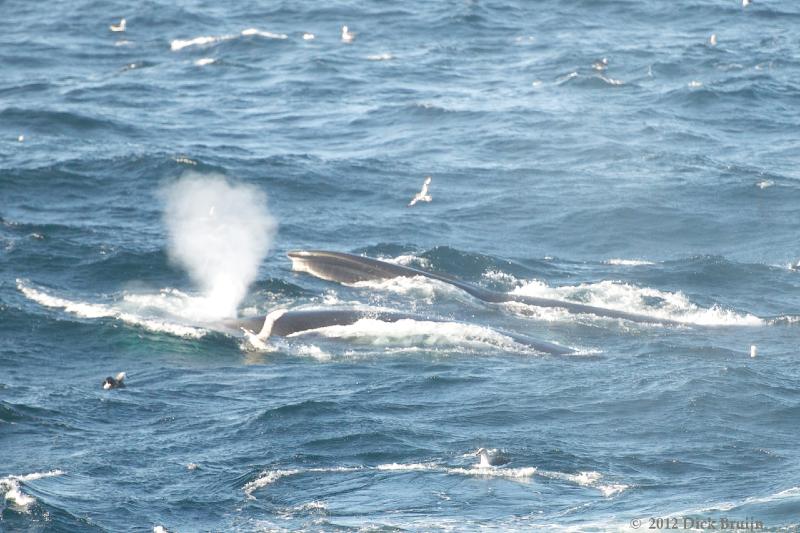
(286, 323)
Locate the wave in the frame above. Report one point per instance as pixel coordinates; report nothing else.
(11, 487)
(415, 333)
(386, 56)
(589, 479)
(588, 81)
(97, 310)
(420, 288)
(663, 305)
(792, 493)
(49, 122)
(646, 301)
(628, 262)
(179, 44)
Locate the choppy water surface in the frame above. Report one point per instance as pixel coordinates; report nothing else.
(602, 152)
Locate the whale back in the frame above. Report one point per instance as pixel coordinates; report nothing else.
(349, 268)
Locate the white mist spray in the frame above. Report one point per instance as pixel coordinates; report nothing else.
(219, 232)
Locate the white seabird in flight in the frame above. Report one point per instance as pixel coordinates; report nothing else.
(422, 196)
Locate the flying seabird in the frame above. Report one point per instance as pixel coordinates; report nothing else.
(422, 196)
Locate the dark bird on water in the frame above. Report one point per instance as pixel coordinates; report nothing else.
(114, 383)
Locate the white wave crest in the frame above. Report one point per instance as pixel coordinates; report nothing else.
(95, 310)
(380, 57)
(409, 332)
(522, 473)
(628, 262)
(313, 506)
(408, 260)
(641, 300)
(315, 352)
(412, 467)
(266, 34)
(502, 277)
(418, 287)
(180, 44)
(12, 489)
(588, 479)
(784, 320)
(611, 81)
(266, 478)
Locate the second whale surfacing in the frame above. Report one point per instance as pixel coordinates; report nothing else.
(284, 323)
(349, 268)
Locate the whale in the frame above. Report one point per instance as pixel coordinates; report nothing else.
(347, 268)
(288, 322)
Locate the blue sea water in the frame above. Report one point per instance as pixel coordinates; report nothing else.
(604, 152)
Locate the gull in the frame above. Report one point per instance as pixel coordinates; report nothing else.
(753, 350)
(21, 138)
(713, 39)
(600, 64)
(119, 27)
(422, 196)
(347, 35)
(490, 460)
(308, 36)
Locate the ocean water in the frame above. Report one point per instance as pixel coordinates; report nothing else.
(604, 152)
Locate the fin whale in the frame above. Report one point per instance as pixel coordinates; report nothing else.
(283, 323)
(349, 268)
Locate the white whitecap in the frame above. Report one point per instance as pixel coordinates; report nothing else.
(588, 479)
(502, 277)
(421, 288)
(180, 44)
(408, 332)
(628, 262)
(522, 474)
(266, 34)
(409, 260)
(11, 487)
(611, 81)
(630, 298)
(380, 57)
(97, 310)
